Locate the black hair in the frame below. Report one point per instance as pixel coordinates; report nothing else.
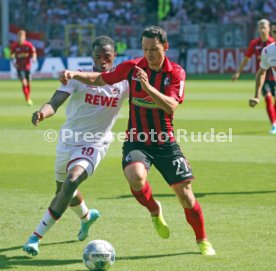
(155, 32)
(102, 41)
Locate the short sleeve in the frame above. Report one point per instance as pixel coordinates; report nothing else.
(177, 85)
(264, 60)
(250, 50)
(70, 87)
(32, 48)
(118, 73)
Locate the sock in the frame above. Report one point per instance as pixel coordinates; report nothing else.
(49, 219)
(29, 90)
(270, 109)
(81, 211)
(26, 92)
(145, 198)
(195, 218)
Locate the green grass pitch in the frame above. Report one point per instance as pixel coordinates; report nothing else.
(235, 185)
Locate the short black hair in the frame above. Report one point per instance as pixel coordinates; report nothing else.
(155, 32)
(102, 41)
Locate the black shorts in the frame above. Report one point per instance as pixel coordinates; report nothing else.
(168, 160)
(23, 75)
(269, 86)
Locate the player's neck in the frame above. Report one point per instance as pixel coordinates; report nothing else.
(157, 67)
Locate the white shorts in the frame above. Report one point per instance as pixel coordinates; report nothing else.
(87, 156)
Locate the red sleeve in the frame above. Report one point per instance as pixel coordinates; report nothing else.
(250, 50)
(118, 73)
(32, 48)
(176, 87)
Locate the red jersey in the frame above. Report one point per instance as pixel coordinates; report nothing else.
(255, 48)
(23, 54)
(148, 123)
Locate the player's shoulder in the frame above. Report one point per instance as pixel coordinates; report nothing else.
(28, 43)
(177, 69)
(270, 49)
(255, 41)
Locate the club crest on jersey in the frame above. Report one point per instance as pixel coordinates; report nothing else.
(116, 91)
(167, 81)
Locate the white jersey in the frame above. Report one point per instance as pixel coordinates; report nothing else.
(268, 58)
(91, 112)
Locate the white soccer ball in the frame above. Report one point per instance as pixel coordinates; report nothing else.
(98, 255)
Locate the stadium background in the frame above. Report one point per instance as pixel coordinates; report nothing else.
(209, 35)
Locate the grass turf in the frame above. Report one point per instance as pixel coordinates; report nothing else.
(235, 185)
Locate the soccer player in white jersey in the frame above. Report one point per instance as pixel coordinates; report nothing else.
(268, 59)
(83, 141)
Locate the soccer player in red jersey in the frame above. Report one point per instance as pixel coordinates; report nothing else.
(156, 89)
(22, 52)
(255, 48)
(268, 61)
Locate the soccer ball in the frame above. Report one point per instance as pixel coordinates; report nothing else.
(98, 255)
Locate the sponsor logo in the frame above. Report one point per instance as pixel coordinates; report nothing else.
(144, 102)
(101, 100)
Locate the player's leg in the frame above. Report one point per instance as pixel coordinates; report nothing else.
(27, 82)
(267, 91)
(194, 215)
(135, 165)
(21, 77)
(57, 207)
(78, 206)
(177, 172)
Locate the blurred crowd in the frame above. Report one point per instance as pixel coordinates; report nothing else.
(223, 11)
(122, 20)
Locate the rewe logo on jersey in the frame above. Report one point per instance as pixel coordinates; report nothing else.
(101, 100)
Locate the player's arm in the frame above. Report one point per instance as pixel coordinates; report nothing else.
(50, 108)
(34, 56)
(117, 74)
(33, 53)
(88, 78)
(236, 75)
(249, 53)
(13, 59)
(260, 78)
(168, 104)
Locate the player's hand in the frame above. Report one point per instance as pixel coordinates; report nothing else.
(253, 102)
(235, 76)
(65, 76)
(37, 117)
(143, 77)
